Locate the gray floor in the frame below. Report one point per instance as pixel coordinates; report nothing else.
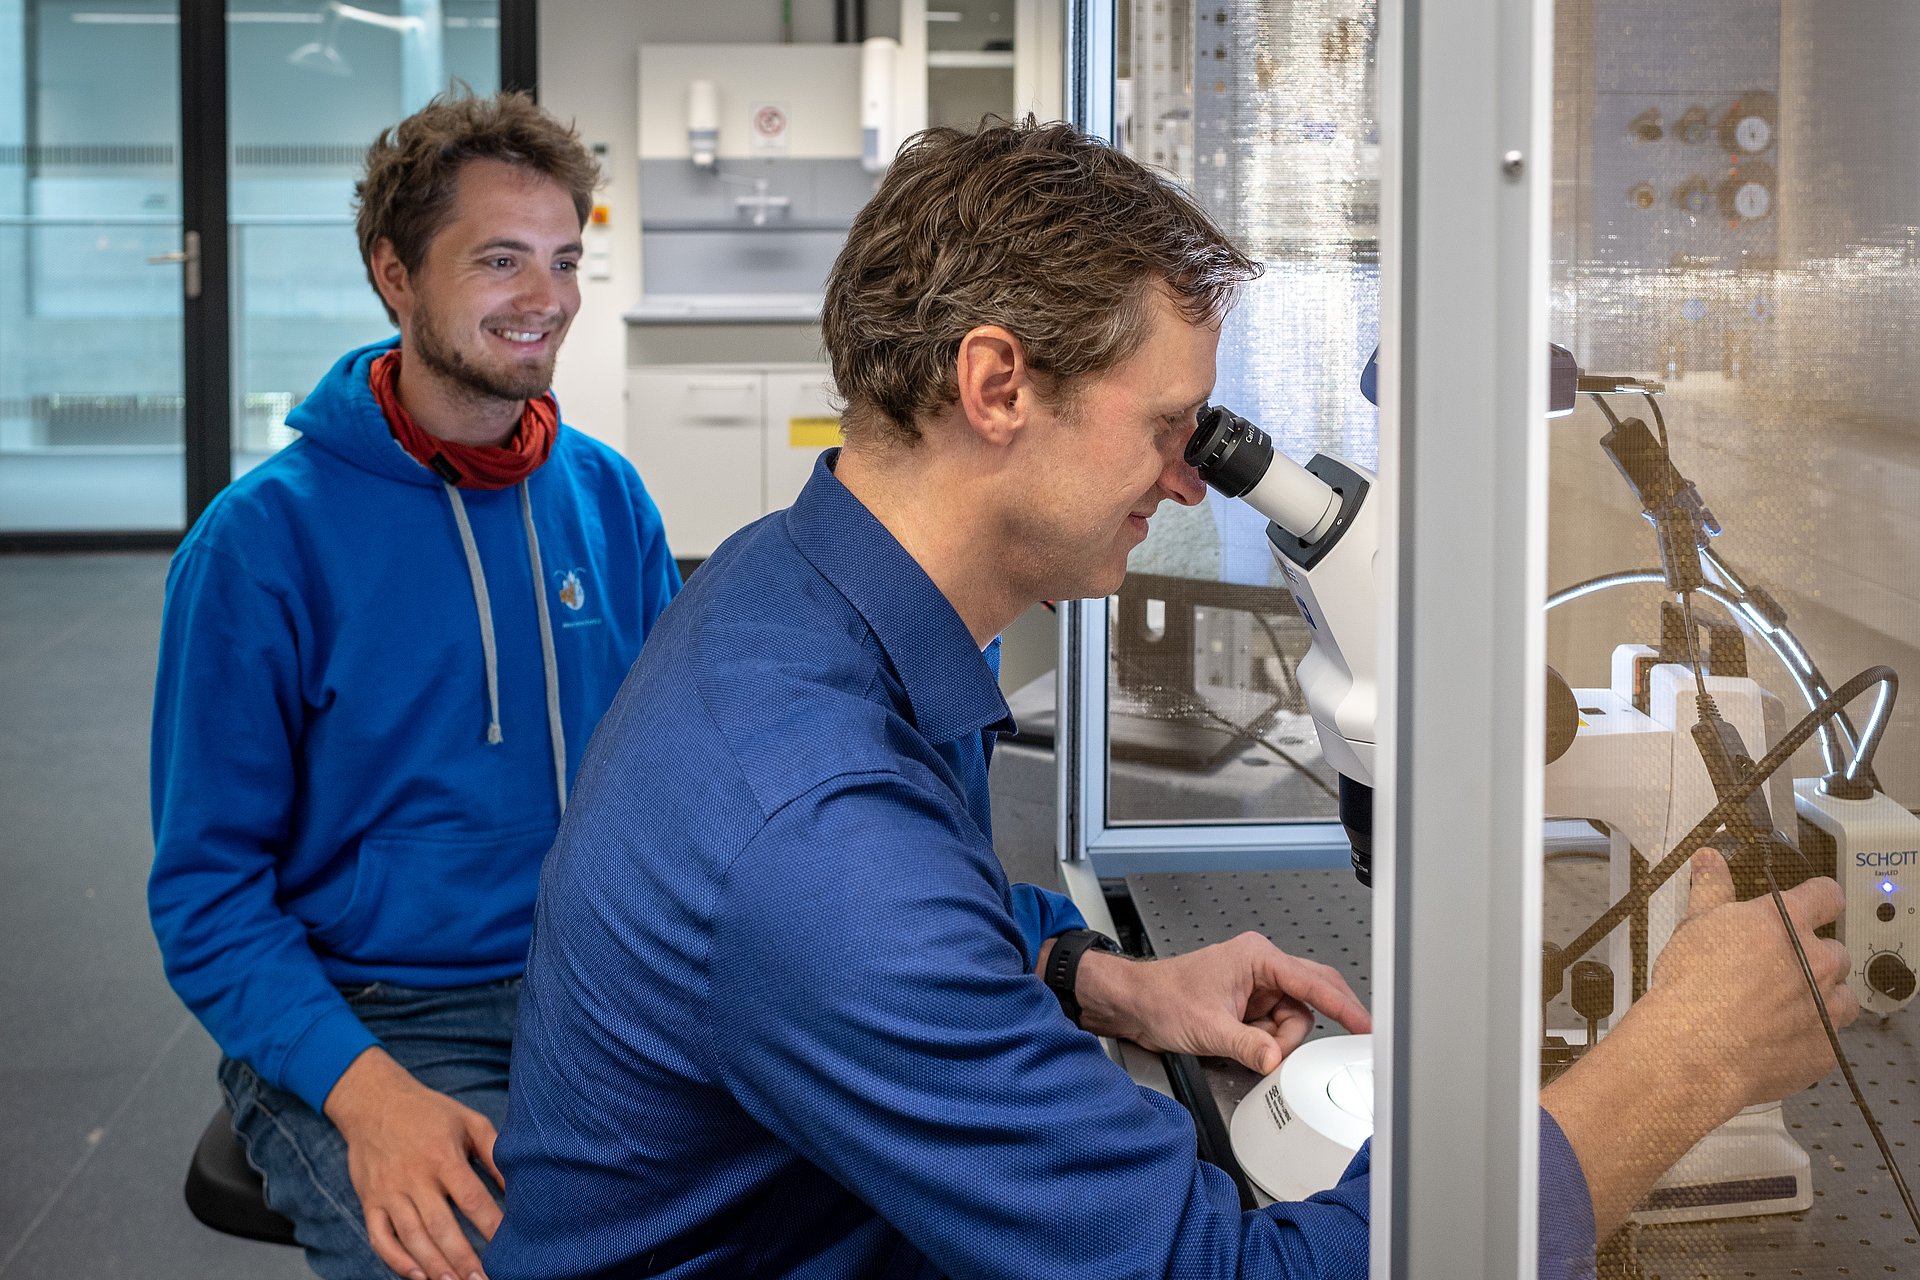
(105, 1081)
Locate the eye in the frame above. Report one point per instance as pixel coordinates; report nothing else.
(566, 265)
(500, 262)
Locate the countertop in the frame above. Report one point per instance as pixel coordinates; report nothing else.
(719, 308)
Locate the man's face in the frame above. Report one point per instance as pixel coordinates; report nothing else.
(1113, 454)
(500, 284)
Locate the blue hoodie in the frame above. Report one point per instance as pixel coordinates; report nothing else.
(344, 639)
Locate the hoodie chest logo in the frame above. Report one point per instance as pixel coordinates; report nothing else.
(573, 592)
(570, 588)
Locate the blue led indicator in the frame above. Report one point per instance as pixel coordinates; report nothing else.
(1886, 886)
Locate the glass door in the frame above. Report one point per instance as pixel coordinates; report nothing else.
(169, 292)
(310, 85)
(92, 405)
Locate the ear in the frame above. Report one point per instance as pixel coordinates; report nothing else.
(996, 385)
(392, 279)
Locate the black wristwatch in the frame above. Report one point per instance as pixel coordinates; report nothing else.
(1063, 965)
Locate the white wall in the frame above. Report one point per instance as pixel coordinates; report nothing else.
(589, 73)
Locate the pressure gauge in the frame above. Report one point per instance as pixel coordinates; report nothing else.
(1752, 133)
(1747, 127)
(1748, 194)
(1752, 201)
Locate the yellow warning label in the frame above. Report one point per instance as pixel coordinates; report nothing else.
(813, 433)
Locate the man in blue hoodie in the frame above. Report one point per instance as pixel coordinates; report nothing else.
(383, 653)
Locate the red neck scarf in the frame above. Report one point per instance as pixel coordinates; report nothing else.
(468, 466)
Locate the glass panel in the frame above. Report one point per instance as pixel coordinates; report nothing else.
(1736, 227)
(91, 408)
(970, 61)
(311, 84)
(1268, 113)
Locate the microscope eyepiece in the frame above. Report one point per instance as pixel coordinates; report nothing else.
(1231, 454)
(1238, 458)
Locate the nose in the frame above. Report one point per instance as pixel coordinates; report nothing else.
(541, 294)
(1183, 483)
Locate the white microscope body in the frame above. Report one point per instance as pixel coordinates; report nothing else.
(1637, 771)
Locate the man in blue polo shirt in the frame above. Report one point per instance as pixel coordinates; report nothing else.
(784, 1015)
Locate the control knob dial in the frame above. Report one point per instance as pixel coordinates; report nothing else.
(1890, 975)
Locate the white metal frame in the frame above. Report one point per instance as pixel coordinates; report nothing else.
(1467, 130)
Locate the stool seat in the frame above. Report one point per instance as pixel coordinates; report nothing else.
(225, 1193)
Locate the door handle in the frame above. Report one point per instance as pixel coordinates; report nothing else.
(189, 257)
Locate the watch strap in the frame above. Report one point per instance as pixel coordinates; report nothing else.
(1063, 965)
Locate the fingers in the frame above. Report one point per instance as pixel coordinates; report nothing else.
(1842, 1005)
(1830, 961)
(1292, 1024)
(1255, 1050)
(436, 1218)
(416, 1233)
(1316, 985)
(386, 1243)
(1277, 1033)
(1711, 883)
(419, 1256)
(471, 1197)
(1813, 903)
(481, 1133)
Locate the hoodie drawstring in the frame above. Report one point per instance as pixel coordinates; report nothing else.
(483, 603)
(547, 660)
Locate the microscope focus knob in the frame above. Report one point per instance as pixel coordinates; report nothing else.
(1888, 974)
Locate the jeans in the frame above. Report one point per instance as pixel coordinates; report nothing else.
(456, 1042)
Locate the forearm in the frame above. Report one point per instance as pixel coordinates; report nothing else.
(246, 970)
(1633, 1106)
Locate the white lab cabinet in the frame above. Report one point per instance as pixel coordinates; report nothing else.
(802, 419)
(721, 445)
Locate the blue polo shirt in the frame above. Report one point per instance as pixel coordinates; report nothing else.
(780, 1017)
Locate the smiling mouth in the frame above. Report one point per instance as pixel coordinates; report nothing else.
(524, 337)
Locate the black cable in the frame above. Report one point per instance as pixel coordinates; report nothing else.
(1833, 1042)
(1259, 740)
(1706, 704)
(1707, 709)
(1660, 421)
(1815, 679)
(1280, 656)
(1606, 409)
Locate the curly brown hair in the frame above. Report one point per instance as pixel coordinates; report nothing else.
(412, 170)
(1039, 228)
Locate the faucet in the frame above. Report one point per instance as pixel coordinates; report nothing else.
(760, 203)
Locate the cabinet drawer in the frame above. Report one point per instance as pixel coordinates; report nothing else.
(698, 439)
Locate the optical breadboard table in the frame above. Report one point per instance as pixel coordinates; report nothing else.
(1856, 1227)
